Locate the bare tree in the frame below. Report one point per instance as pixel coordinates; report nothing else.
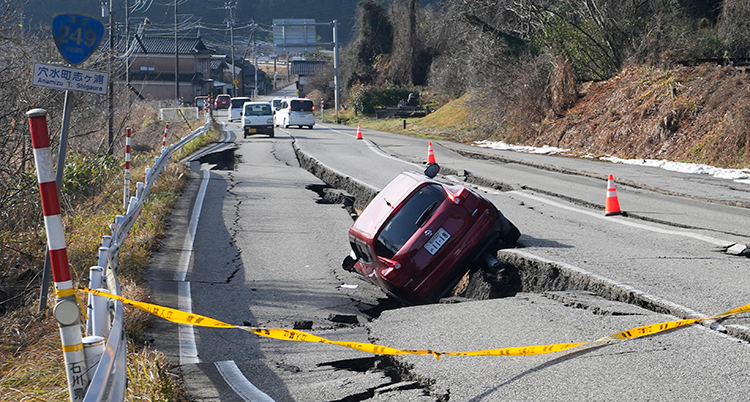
(733, 27)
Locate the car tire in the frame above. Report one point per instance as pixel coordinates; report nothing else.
(271, 135)
(310, 127)
(285, 124)
(510, 232)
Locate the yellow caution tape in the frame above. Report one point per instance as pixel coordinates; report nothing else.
(182, 317)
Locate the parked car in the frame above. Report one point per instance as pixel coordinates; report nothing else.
(257, 118)
(295, 112)
(417, 237)
(222, 101)
(235, 107)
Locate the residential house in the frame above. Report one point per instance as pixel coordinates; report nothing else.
(152, 68)
(304, 69)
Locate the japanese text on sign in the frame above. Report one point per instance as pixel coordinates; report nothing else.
(69, 78)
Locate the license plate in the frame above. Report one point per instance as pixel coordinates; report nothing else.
(437, 241)
(251, 130)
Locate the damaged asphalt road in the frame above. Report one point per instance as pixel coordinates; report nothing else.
(271, 243)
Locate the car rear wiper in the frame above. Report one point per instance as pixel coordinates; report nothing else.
(425, 215)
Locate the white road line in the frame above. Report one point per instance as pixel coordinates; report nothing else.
(187, 246)
(188, 348)
(626, 222)
(244, 388)
(186, 333)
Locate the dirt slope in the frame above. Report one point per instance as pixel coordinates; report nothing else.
(690, 114)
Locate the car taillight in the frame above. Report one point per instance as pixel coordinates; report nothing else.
(459, 197)
(390, 268)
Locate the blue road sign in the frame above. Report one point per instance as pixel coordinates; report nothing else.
(76, 36)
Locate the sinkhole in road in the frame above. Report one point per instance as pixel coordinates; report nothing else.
(510, 275)
(515, 273)
(221, 160)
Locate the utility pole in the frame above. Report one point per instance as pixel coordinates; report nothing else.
(255, 64)
(336, 75)
(127, 46)
(111, 97)
(176, 59)
(230, 22)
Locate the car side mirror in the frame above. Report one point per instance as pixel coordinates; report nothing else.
(432, 170)
(348, 263)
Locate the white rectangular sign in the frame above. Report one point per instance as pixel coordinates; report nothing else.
(70, 79)
(294, 35)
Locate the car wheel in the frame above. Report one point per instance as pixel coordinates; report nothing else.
(244, 136)
(510, 232)
(310, 127)
(271, 135)
(285, 124)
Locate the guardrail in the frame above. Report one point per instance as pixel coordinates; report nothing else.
(99, 373)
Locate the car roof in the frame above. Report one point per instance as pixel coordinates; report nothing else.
(222, 95)
(387, 200)
(240, 97)
(256, 103)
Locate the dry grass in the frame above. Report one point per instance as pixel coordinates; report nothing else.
(31, 365)
(690, 114)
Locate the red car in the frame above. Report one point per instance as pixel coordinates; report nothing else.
(222, 101)
(418, 236)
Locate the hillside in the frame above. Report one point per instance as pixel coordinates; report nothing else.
(690, 114)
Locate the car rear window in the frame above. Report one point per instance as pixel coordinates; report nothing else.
(238, 102)
(410, 217)
(301, 106)
(258, 110)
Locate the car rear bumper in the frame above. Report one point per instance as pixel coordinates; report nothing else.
(264, 129)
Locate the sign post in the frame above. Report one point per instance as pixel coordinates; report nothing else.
(76, 37)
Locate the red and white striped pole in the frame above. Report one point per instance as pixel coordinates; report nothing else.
(126, 189)
(66, 311)
(164, 141)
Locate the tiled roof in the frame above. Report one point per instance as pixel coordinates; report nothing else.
(161, 45)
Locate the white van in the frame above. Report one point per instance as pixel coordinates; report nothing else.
(275, 103)
(235, 107)
(257, 118)
(295, 112)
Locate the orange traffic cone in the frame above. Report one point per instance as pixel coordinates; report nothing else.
(430, 154)
(612, 206)
(359, 132)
